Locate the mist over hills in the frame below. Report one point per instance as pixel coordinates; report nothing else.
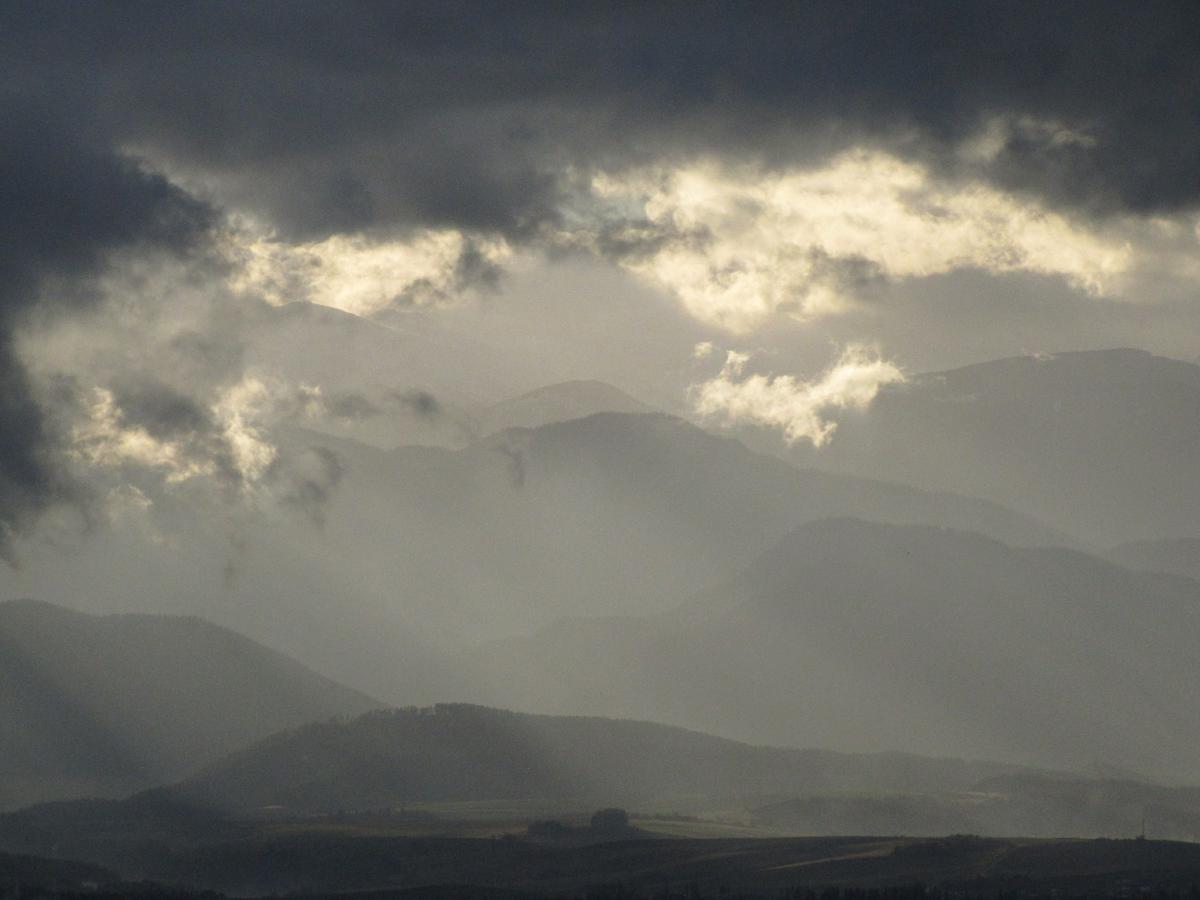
(609, 514)
(592, 532)
(388, 562)
(387, 383)
(105, 704)
(743, 395)
(857, 634)
(602, 549)
(1101, 444)
(315, 344)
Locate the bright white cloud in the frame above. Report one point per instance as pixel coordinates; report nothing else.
(241, 411)
(358, 275)
(237, 445)
(741, 245)
(101, 439)
(796, 407)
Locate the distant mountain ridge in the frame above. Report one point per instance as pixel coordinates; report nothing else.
(559, 402)
(104, 704)
(369, 575)
(606, 514)
(1101, 444)
(857, 634)
(396, 388)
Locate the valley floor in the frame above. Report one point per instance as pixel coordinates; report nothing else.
(328, 863)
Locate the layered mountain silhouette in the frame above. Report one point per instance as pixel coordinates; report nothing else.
(858, 634)
(368, 574)
(1101, 444)
(557, 403)
(102, 704)
(421, 548)
(608, 514)
(457, 752)
(388, 383)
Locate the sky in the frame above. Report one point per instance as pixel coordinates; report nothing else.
(745, 212)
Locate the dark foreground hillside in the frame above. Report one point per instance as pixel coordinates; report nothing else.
(312, 865)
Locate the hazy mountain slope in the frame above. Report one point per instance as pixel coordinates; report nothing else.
(370, 575)
(1180, 556)
(1100, 444)
(608, 514)
(381, 384)
(856, 634)
(310, 343)
(90, 703)
(388, 383)
(459, 752)
(557, 403)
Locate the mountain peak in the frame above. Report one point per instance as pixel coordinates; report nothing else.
(559, 402)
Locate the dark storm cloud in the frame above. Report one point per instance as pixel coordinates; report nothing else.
(66, 204)
(330, 117)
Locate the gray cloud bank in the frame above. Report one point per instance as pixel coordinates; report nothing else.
(319, 119)
(67, 204)
(333, 117)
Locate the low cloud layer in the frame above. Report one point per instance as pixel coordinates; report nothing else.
(797, 408)
(363, 276)
(738, 246)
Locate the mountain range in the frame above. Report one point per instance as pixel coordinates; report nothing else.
(862, 634)
(1101, 444)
